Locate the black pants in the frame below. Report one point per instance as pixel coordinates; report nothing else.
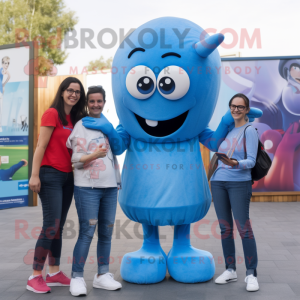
(56, 196)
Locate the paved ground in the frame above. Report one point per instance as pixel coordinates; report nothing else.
(276, 228)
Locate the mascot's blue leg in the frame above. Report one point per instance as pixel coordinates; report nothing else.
(147, 265)
(186, 263)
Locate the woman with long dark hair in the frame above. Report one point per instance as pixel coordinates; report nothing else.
(231, 187)
(52, 178)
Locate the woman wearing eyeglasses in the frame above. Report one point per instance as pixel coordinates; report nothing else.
(97, 178)
(231, 186)
(52, 178)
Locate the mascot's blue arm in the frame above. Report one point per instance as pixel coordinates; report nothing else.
(122, 139)
(118, 139)
(213, 139)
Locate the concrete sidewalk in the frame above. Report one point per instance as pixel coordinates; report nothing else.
(276, 229)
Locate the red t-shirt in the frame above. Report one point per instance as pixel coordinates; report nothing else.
(57, 155)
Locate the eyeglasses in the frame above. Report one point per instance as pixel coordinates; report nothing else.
(71, 91)
(95, 86)
(239, 107)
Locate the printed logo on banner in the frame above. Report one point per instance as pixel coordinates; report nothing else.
(5, 159)
(17, 201)
(23, 185)
(14, 140)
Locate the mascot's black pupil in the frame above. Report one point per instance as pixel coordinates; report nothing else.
(145, 85)
(166, 85)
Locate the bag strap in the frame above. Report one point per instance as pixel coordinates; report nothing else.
(245, 147)
(231, 150)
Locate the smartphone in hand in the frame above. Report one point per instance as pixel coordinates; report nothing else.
(221, 155)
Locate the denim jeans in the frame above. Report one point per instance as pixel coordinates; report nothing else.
(234, 197)
(95, 206)
(56, 196)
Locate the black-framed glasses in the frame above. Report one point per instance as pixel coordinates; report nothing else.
(239, 107)
(71, 91)
(95, 86)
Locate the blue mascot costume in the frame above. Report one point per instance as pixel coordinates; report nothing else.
(165, 87)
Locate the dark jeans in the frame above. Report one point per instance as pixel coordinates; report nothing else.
(56, 196)
(234, 197)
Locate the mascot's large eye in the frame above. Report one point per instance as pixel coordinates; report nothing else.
(141, 82)
(173, 82)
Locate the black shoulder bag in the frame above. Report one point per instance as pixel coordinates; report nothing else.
(263, 161)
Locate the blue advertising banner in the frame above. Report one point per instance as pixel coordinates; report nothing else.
(14, 127)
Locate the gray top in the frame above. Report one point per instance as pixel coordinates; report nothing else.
(100, 173)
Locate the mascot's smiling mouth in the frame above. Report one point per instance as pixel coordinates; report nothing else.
(161, 128)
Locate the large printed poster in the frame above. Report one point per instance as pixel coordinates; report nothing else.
(273, 85)
(14, 128)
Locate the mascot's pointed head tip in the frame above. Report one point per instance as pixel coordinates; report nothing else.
(208, 44)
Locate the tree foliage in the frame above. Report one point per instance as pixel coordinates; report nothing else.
(99, 64)
(43, 21)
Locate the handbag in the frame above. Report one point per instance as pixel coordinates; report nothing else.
(213, 164)
(263, 161)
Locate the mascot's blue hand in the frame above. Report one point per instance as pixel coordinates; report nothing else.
(101, 124)
(227, 119)
(254, 113)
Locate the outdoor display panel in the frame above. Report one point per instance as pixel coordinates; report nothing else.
(16, 118)
(272, 84)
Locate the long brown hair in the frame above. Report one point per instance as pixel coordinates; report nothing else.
(78, 111)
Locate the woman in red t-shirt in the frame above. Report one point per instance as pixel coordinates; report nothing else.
(52, 178)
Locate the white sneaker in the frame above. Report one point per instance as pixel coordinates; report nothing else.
(226, 277)
(78, 286)
(107, 282)
(252, 284)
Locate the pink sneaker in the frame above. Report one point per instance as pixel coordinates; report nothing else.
(38, 285)
(60, 279)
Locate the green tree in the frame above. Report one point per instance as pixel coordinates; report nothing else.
(99, 64)
(43, 21)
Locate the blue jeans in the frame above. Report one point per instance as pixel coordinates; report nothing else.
(234, 197)
(94, 206)
(56, 196)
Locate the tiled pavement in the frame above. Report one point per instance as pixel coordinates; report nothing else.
(276, 228)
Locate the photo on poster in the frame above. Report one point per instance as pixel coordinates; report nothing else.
(273, 86)
(13, 163)
(15, 110)
(13, 176)
(14, 96)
